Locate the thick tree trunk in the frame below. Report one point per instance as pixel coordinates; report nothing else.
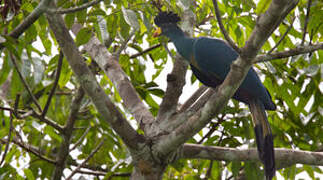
(144, 170)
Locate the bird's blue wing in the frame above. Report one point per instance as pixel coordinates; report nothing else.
(212, 59)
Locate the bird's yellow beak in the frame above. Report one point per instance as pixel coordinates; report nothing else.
(157, 32)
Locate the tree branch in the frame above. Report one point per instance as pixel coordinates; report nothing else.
(52, 92)
(29, 148)
(14, 62)
(202, 100)
(109, 64)
(74, 9)
(145, 51)
(79, 141)
(194, 151)
(175, 83)
(67, 134)
(306, 21)
(8, 142)
(29, 20)
(90, 85)
(86, 160)
(224, 32)
(23, 114)
(124, 44)
(198, 93)
(285, 54)
(282, 37)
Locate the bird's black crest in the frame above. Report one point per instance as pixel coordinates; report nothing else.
(166, 17)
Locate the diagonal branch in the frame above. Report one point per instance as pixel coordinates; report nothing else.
(79, 141)
(9, 139)
(74, 9)
(285, 54)
(224, 32)
(29, 148)
(125, 42)
(14, 62)
(145, 51)
(29, 20)
(87, 80)
(58, 73)
(86, 160)
(175, 83)
(109, 64)
(198, 93)
(67, 135)
(307, 17)
(21, 114)
(289, 156)
(282, 37)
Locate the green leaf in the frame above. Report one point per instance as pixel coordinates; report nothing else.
(83, 36)
(69, 19)
(131, 18)
(66, 73)
(236, 165)
(5, 69)
(81, 16)
(262, 6)
(51, 132)
(29, 174)
(253, 171)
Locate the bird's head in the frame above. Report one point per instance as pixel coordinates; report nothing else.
(165, 21)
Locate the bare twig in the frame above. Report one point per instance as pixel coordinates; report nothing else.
(309, 3)
(282, 37)
(67, 134)
(86, 160)
(168, 51)
(213, 128)
(285, 54)
(79, 141)
(145, 51)
(94, 173)
(29, 148)
(119, 175)
(14, 62)
(52, 92)
(188, 103)
(15, 110)
(100, 173)
(23, 114)
(74, 9)
(47, 121)
(10, 109)
(209, 170)
(9, 138)
(224, 32)
(202, 100)
(124, 43)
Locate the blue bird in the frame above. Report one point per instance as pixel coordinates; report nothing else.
(210, 61)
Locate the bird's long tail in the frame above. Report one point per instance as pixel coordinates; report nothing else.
(264, 137)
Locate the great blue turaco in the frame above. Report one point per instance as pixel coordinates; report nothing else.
(210, 61)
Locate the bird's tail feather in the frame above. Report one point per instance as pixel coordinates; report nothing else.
(264, 137)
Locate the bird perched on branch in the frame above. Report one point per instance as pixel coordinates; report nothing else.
(210, 61)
